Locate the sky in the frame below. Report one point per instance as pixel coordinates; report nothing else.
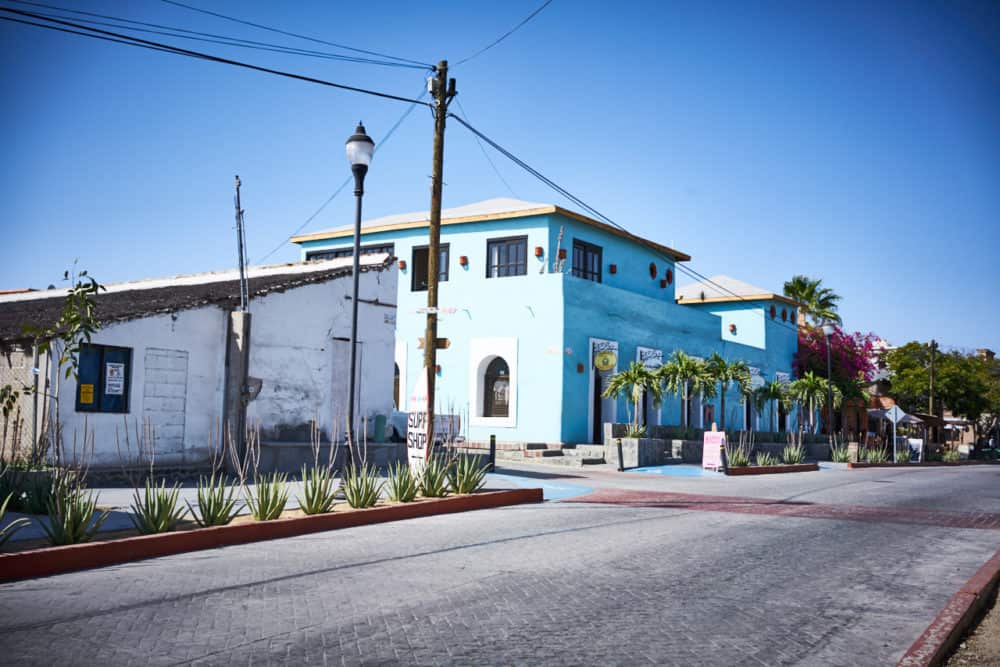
(856, 142)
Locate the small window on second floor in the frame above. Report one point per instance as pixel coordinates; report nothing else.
(507, 257)
(418, 273)
(586, 261)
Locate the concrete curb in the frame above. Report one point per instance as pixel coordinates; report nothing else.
(949, 626)
(56, 560)
(771, 470)
(924, 464)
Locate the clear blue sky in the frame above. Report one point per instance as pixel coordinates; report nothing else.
(856, 142)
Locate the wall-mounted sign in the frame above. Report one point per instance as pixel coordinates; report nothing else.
(114, 379)
(649, 357)
(86, 393)
(783, 378)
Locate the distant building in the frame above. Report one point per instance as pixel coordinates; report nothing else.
(541, 305)
(160, 357)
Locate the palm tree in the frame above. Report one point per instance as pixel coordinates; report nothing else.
(772, 392)
(810, 391)
(815, 301)
(634, 382)
(686, 376)
(726, 373)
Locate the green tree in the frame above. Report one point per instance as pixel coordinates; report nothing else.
(634, 381)
(771, 393)
(909, 374)
(727, 373)
(815, 301)
(810, 392)
(685, 376)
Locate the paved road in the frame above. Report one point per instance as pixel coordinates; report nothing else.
(655, 576)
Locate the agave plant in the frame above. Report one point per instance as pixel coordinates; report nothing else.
(319, 490)
(156, 510)
(466, 474)
(839, 453)
(950, 455)
(766, 459)
(71, 514)
(362, 486)
(434, 479)
(8, 531)
(879, 455)
(403, 485)
(217, 502)
(268, 497)
(793, 453)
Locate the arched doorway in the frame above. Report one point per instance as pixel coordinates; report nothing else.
(496, 385)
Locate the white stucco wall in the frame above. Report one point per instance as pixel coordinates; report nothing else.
(178, 368)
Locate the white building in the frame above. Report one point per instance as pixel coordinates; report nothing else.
(160, 356)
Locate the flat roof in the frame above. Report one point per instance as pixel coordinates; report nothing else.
(502, 208)
(722, 288)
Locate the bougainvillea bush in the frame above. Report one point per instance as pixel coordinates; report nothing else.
(851, 356)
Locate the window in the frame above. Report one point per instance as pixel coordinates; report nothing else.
(349, 252)
(418, 273)
(507, 257)
(586, 261)
(496, 398)
(104, 379)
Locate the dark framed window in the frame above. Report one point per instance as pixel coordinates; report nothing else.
(389, 248)
(496, 399)
(507, 257)
(586, 261)
(105, 378)
(418, 272)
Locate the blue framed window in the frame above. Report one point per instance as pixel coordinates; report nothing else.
(507, 257)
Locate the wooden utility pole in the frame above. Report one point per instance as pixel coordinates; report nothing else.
(442, 91)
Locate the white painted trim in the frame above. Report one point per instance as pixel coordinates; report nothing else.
(597, 437)
(638, 357)
(481, 352)
(400, 359)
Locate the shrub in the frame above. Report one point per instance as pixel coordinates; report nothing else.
(216, 501)
(903, 455)
(738, 456)
(766, 459)
(839, 453)
(268, 497)
(873, 455)
(434, 479)
(70, 512)
(403, 484)
(793, 454)
(156, 510)
(950, 455)
(635, 431)
(362, 486)
(8, 531)
(466, 474)
(319, 490)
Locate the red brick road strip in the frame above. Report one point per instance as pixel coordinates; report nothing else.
(55, 560)
(951, 623)
(806, 510)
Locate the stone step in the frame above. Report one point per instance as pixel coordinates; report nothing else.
(542, 453)
(587, 451)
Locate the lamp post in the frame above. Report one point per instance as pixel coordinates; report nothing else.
(360, 149)
(827, 332)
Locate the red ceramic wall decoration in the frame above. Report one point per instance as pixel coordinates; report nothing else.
(732, 328)
(774, 311)
(613, 268)
(463, 260)
(663, 283)
(579, 368)
(402, 265)
(652, 270)
(539, 251)
(562, 253)
(784, 314)
(670, 276)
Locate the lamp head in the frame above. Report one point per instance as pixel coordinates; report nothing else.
(360, 148)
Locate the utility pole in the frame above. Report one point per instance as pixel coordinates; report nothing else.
(241, 248)
(442, 90)
(930, 398)
(237, 352)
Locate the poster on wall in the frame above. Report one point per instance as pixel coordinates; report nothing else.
(417, 449)
(604, 356)
(783, 378)
(114, 379)
(649, 357)
(756, 379)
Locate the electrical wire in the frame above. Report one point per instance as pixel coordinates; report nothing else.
(498, 39)
(293, 34)
(343, 185)
(183, 33)
(487, 156)
(109, 36)
(576, 200)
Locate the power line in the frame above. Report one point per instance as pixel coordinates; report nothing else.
(158, 46)
(343, 185)
(293, 34)
(487, 155)
(498, 39)
(183, 33)
(534, 172)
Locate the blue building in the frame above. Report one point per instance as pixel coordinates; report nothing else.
(541, 305)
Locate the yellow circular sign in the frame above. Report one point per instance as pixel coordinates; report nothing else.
(605, 361)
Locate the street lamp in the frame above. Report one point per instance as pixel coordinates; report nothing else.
(360, 149)
(827, 332)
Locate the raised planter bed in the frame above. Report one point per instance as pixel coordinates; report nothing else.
(56, 560)
(924, 464)
(772, 470)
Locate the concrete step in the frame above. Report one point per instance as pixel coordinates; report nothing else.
(542, 453)
(586, 451)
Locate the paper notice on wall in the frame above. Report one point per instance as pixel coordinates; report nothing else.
(86, 393)
(114, 379)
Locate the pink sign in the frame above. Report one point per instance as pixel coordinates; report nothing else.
(711, 454)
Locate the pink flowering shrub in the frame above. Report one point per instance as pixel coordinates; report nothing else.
(852, 358)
